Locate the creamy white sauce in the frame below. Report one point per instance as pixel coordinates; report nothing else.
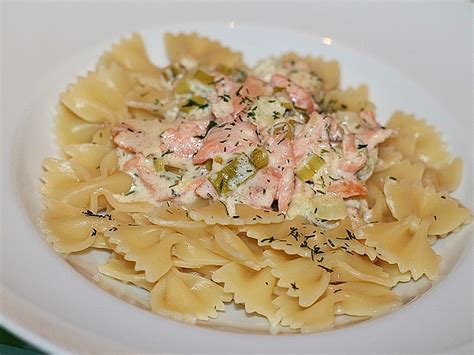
(322, 136)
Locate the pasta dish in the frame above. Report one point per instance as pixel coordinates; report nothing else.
(209, 181)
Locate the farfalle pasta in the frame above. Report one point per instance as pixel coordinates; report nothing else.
(208, 181)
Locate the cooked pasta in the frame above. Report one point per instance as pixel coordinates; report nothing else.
(208, 182)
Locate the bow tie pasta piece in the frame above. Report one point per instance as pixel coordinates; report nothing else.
(172, 213)
(101, 242)
(115, 201)
(183, 48)
(447, 178)
(419, 141)
(103, 137)
(346, 267)
(387, 157)
(119, 268)
(295, 236)
(187, 297)
(253, 289)
(109, 164)
(318, 317)
(395, 243)
(403, 170)
(299, 237)
(236, 248)
(217, 214)
(177, 218)
(69, 228)
(444, 214)
(342, 237)
(100, 96)
(207, 241)
(377, 206)
(193, 252)
(207, 271)
(88, 155)
(150, 100)
(394, 272)
(300, 276)
(365, 299)
(352, 298)
(62, 181)
(71, 129)
(148, 246)
(130, 54)
(406, 242)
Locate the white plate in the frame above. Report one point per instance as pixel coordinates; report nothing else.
(48, 302)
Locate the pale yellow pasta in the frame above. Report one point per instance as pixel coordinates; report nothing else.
(235, 247)
(443, 214)
(353, 298)
(108, 164)
(100, 96)
(407, 242)
(172, 215)
(378, 210)
(129, 53)
(187, 297)
(253, 289)
(418, 140)
(148, 246)
(446, 178)
(192, 251)
(347, 266)
(398, 171)
(200, 49)
(128, 207)
(342, 237)
(101, 242)
(245, 215)
(64, 184)
(147, 99)
(119, 268)
(307, 286)
(280, 236)
(70, 129)
(320, 316)
(387, 157)
(395, 243)
(207, 271)
(103, 136)
(299, 237)
(365, 299)
(69, 229)
(395, 275)
(88, 155)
